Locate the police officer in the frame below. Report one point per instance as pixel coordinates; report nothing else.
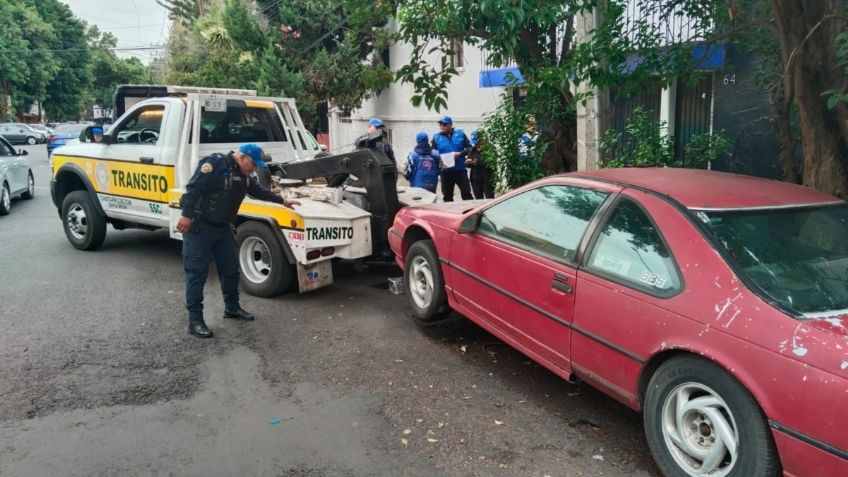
(450, 141)
(481, 173)
(376, 124)
(210, 205)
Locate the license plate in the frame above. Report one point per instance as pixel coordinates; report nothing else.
(215, 104)
(315, 275)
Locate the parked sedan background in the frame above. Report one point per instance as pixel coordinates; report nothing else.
(15, 176)
(63, 133)
(714, 303)
(42, 129)
(19, 133)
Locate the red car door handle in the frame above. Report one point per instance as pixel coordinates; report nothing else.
(564, 287)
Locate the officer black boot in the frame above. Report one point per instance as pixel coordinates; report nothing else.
(199, 329)
(239, 314)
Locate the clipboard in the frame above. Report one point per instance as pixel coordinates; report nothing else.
(448, 159)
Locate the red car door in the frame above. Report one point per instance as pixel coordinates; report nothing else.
(515, 274)
(628, 282)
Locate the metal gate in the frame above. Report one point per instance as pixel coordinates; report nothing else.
(622, 105)
(693, 114)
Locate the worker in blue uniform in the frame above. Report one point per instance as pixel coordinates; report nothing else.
(209, 208)
(453, 143)
(423, 165)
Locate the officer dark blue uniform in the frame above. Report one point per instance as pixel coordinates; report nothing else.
(376, 124)
(209, 208)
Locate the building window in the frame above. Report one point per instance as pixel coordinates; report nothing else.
(455, 54)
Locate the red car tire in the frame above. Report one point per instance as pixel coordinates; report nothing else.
(697, 415)
(424, 284)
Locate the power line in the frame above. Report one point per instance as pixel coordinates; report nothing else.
(129, 26)
(68, 50)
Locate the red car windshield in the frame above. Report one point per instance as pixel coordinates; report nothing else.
(798, 256)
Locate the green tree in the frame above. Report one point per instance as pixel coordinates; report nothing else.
(109, 71)
(335, 44)
(66, 94)
(501, 131)
(316, 51)
(799, 46)
(26, 64)
(537, 35)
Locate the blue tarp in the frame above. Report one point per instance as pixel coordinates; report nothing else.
(500, 77)
(707, 57)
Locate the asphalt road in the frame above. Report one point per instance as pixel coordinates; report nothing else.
(98, 376)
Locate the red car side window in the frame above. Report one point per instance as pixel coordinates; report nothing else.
(550, 220)
(630, 249)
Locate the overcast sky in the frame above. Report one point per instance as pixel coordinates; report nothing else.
(136, 23)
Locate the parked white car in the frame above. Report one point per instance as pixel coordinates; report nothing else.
(15, 176)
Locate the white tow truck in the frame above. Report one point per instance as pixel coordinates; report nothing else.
(135, 177)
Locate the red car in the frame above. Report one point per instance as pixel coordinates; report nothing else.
(716, 304)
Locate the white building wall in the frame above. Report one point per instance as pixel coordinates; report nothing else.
(467, 104)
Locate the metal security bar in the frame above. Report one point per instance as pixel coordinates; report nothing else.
(670, 25)
(693, 113)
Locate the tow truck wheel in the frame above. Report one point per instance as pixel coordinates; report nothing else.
(265, 270)
(84, 226)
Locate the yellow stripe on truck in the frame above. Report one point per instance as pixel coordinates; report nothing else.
(126, 179)
(253, 103)
(153, 182)
(284, 216)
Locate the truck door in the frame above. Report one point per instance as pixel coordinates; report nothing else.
(137, 166)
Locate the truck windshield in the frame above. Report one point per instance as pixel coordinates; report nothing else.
(798, 256)
(239, 124)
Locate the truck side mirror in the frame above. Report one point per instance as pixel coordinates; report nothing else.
(87, 135)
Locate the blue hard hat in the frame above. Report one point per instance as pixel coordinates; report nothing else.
(446, 120)
(97, 131)
(255, 153)
(421, 137)
(475, 137)
(376, 122)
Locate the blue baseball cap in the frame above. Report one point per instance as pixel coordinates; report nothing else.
(475, 137)
(446, 120)
(97, 131)
(421, 137)
(376, 122)
(255, 153)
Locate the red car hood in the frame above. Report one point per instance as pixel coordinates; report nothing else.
(455, 208)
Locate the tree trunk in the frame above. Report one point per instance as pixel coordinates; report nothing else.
(561, 154)
(786, 142)
(807, 29)
(5, 92)
(561, 136)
